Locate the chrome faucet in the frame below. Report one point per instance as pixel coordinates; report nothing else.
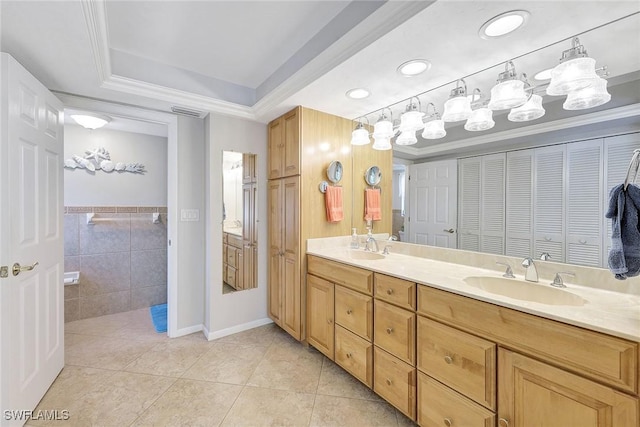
(545, 256)
(371, 240)
(557, 281)
(385, 251)
(531, 273)
(508, 272)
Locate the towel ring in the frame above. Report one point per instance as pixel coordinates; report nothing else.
(323, 186)
(635, 160)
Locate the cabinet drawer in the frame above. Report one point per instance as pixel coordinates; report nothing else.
(396, 291)
(438, 405)
(231, 276)
(395, 381)
(345, 275)
(395, 331)
(235, 241)
(225, 251)
(461, 361)
(355, 355)
(354, 311)
(605, 358)
(231, 257)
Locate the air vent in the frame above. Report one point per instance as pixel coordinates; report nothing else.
(187, 112)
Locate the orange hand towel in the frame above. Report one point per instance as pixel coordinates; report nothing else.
(333, 203)
(372, 210)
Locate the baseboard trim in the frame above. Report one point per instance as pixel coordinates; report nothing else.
(235, 329)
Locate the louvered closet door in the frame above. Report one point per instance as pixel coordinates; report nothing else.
(617, 155)
(519, 204)
(549, 202)
(492, 212)
(469, 203)
(584, 203)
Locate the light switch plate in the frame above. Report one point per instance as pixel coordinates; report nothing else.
(190, 215)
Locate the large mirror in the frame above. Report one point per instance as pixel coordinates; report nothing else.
(240, 237)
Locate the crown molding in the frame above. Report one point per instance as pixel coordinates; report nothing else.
(95, 17)
(582, 120)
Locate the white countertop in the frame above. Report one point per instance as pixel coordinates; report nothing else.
(236, 231)
(607, 311)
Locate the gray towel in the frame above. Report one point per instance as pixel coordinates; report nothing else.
(624, 205)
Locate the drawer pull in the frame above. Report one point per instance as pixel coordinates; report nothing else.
(329, 321)
(348, 355)
(388, 381)
(349, 311)
(503, 423)
(448, 422)
(448, 359)
(389, 291)
(389, 330)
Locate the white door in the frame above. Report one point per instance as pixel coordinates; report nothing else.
(31, 231)
(433, 189)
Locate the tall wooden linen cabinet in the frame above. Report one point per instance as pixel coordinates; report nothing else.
(302, 143)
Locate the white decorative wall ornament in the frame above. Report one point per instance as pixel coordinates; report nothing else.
(100, 159)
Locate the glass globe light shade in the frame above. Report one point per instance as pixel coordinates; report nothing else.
(360, 136)
(572, 75)
(434, 129)
(407, 137)
(508, 94)
(530, 111)
(383, 129)
(381, 143)
(411, 121)
(588, 97)
(456, 109)
(480, 119)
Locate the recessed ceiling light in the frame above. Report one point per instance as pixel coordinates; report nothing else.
(503, 24)
(357, 93)
(414, 67)
(544, 74)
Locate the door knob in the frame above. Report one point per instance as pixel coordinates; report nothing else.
(17, 268)
(450, 230)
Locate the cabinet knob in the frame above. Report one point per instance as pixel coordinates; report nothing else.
(349, 311)
(329, 321)
(389, 291)
(448, 359)
(448, 422)
(389, 330)
(348, 355)
(503, 423)
(388, 381)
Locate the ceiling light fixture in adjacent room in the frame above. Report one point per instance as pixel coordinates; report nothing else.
(357, 93)
(414, 67)
(90, 120)
(543, 75)
(503, 24)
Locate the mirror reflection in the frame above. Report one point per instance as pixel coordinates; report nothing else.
(373, 175)
(334, 171)
(240, 240)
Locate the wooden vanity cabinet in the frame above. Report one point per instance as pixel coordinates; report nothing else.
(284, 145)
(320, 323)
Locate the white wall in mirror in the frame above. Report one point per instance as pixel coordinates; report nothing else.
(232, 190)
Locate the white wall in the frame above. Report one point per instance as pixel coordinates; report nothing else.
(229, 313)
(84, 188)
(233, 186)
(190, 236)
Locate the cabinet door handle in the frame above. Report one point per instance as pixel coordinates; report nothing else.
(503, 423)
(388, 381)
(389, 291)
(448, 359)
(348, 355)
(349, 311)
(389, 330)
(329, 321)
(448, 422)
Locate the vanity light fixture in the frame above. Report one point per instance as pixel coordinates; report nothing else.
(509, 92)
(458, 106)
(411, 119)
(531, 110)
(575, 71)
(434, 129)
(482, 117)
(414, 67)
(357, 93)
(383, 132)
(360, 135)
(407, 137)
(503, 24)
(588, 97)
(90, 120)
(381, 144)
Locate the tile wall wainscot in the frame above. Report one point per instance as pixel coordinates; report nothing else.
(122, 259)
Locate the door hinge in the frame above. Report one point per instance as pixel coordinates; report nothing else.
(4, 271)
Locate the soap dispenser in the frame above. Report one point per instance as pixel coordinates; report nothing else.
(355, 244)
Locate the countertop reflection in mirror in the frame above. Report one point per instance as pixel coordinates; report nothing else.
(240, 237)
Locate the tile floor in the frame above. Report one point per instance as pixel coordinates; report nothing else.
(119, 372)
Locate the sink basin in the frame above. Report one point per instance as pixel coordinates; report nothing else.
(524, 291)
(365, 255)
